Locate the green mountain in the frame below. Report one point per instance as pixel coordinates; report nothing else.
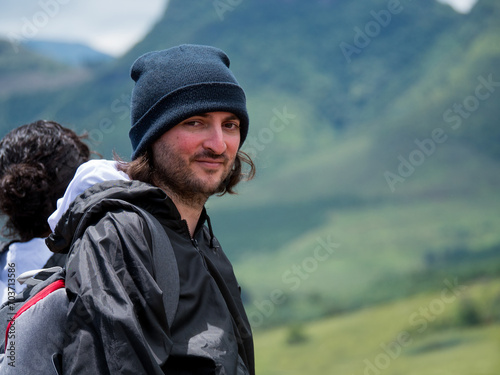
(373, 127)
(33, 86)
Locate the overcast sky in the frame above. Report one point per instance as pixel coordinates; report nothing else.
(108, 26)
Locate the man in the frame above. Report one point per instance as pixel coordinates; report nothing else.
(189, 120)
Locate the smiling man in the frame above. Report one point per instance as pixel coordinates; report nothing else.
(194, 159)
(189, 120)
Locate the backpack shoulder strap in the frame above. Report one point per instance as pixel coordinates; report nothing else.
(11, 309)
(35, 277)
(50, 288)
(165, 266)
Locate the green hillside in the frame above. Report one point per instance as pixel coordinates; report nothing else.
(30, 85)
(431, 333)
(374, 127)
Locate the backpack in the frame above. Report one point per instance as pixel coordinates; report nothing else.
(34, 320)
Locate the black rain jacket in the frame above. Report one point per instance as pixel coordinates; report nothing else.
(116, 322)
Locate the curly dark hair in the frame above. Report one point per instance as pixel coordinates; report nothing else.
(142, 168)
(37, 162)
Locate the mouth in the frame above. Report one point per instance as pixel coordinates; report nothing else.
(210, 163)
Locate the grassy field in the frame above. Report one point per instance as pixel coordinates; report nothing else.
(455, 331)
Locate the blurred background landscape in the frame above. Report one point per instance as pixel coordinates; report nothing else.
(369, 241)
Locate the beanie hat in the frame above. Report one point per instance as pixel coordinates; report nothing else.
(175, 84)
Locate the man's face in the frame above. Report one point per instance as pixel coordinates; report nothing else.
(193, 158)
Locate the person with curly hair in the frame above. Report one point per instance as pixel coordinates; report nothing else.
(37, 162)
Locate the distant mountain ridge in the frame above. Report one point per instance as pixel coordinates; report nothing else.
(74, 54)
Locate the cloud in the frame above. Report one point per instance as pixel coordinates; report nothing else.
(461, 6)
(110, 27)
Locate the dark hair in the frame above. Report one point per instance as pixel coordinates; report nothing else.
(142, 169)
(37, 162)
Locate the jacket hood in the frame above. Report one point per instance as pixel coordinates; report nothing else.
(102, 197)
(88, 174)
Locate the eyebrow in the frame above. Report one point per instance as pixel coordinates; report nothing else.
(230, 117)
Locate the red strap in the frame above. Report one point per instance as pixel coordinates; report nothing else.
(58, 284)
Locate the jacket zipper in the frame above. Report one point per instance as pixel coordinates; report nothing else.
(195, 244)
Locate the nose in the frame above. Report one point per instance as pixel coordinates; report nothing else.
(215, 141)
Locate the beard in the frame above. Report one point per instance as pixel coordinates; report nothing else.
(174, 174)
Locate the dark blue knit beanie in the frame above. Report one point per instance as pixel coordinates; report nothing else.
(178, 83)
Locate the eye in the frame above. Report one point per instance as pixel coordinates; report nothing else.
(192, 123)
(231, 125)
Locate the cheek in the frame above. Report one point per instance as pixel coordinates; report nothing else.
(186, 146)
(233, 145)
(182, 144)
